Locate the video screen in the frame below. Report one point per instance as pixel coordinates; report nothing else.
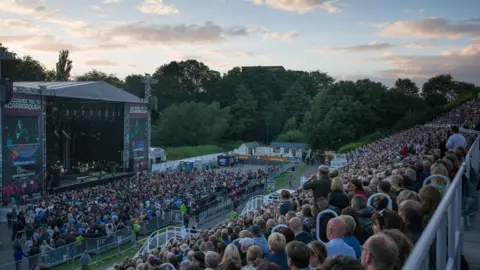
(138, 128)
(21, 130)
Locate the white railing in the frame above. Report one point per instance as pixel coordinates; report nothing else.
(160, 238)
(253, 204)
(446, 225)
(173, 165)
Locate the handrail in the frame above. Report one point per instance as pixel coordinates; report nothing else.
(318, 221)
(429, 179)
(445, 226)
(389, 205)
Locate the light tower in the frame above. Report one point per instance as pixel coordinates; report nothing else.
(148, 81)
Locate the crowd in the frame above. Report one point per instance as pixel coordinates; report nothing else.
(69, 217)
(283, 236)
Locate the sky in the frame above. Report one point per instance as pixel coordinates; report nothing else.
(348, 39)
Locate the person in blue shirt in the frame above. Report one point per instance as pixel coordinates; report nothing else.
(18, 255)
(277, 244)
(259, 239)
(351, 240)
(336, 229)
(286, 204)
(456, 139)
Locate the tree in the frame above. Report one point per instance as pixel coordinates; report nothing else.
(243, 109)
(295, 101)
(406, 86)
(440, 84)
(191, 123)
(64, 66)
(291, 136)
(134, 85)
(95, 75)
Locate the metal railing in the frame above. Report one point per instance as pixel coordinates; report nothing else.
(69, 253)
(446, 225)
(160, 238)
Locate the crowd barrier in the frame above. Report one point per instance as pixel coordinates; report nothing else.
(174, 164)
(71, 252)
(447, 224)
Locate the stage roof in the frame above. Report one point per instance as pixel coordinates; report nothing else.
(96, 90)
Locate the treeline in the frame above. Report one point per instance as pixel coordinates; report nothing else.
(202, 106)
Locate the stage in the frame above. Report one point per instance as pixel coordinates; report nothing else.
(71, 183)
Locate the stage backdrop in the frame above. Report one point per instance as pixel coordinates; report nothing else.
(138, 137)
(22, 147)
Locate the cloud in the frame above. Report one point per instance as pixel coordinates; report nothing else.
(372, 46)
(431, 28)
(101, 62)
(97, 10)
(184, 33)
(462, 64)
(19, 24)
(282, 36)
(299, 6)
(157, 7)
(111, 1)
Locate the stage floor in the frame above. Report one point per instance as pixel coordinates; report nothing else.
(72, 182)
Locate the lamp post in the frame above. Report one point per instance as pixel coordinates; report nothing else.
(148, 81)
(2, 57)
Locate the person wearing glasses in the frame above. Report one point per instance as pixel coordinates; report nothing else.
(379, 252)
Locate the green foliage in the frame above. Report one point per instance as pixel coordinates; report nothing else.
(176, 153)
(191, 123)
(350, 146)
(291, 136)
(243, 111)
(64, 66)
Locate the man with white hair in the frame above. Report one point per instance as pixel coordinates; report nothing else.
(211, 260)
(296, 225)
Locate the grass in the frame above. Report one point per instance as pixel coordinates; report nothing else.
(281, 180)
(176, 153)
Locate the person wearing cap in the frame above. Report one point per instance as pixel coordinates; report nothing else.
(319, 184)
(259, 239)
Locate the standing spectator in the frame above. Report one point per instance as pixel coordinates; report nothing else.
(335, 233)
(286, 204)
(337, 199)
(18, 254)
(259, 239)
(319, 183)
(85, 260)
(456, 139)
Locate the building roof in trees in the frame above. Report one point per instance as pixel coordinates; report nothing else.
(252, 145)
(272, 68)
(289, 145)
(93, 90)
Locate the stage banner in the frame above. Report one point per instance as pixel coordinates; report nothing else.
(138, 137)
(22, 148)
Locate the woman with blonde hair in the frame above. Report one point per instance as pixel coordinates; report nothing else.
(254, 257)
(430, 198)
(437, 182)
(231, 254)
(337, 199)
(407, 195)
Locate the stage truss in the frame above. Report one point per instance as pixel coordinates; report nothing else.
(126, 139)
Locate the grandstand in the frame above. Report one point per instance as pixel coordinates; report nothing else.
(442, 182)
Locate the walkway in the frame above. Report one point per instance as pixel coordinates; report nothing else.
(471, 244)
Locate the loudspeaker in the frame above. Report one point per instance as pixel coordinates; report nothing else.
(6, 88)
(153, 103)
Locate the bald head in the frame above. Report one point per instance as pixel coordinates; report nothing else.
(295, 224)
(411, 212)
(381, 252)
(336, 228)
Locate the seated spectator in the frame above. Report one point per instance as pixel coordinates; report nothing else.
(230, 255)
(198, 261)
(355, 186)
(277, 244)
(342, 263)
(337, 199)
(296, 225)
(211, 260)
(407, 195)
(286, 204)
(379, 253)
(336, 229)
(430, 198)
(298, 255)
(437, 182)
(308, 221)
(254, 257)
(382, 203)
(365, 212)
(288, 233)
(349, 238)
(404, 246)
(386, 220)
(411, 213)
(397, 183)
(259, 239)
(318, 254)
(359, 232)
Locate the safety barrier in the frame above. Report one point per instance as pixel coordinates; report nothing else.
(446, 225)
(160, 238)
(319, 216)
(370, 199)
